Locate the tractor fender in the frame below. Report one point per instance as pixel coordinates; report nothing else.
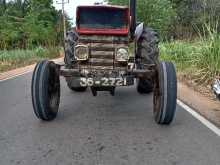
(139, 31)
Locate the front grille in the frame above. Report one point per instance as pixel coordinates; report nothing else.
(102, 54)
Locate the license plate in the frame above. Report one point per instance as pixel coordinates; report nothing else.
(84, 82)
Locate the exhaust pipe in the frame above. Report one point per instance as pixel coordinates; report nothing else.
(133, 17)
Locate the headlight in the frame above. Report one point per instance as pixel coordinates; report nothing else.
(122, 54)
(81, 52)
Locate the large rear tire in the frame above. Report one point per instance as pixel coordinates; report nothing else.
(70, 41)
(147, 53)
(45, 90)
(165, 93)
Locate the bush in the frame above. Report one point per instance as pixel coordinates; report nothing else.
(18, 58)
(192, 15)
(28, 24)
(200, 59)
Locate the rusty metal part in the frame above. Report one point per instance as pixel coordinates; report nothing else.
(142, 73)
(137, 73)
(102, 51)
(69, 72)
(103, 39)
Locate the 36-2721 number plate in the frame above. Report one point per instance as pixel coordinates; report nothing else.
(84, 82)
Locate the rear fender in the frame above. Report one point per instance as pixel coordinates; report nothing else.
(139, 30)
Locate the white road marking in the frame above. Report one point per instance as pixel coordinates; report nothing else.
(196, 115)
(17, 75)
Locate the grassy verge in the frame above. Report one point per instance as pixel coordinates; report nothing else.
(198, 60)
(11, 59)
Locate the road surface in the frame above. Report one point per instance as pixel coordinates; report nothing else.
(101, 130)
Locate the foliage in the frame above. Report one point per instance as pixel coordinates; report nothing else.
(157, 14)
(177, 19)
(29, 24)
(193, 14)
(10, 59)
(200, 59)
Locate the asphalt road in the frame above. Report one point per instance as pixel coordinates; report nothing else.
(101, 130)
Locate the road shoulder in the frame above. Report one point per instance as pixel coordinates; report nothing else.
(204, 105)
(20, 71)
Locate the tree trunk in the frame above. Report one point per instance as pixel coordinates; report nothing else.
(4, 4)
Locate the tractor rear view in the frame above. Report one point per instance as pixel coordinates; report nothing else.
(97, 56)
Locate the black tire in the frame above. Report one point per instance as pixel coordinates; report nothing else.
(70, 41)
(45, 90)
(147, 53)
(74, 86)
(77, 89)
(165, 93)
(144, 86)
(147, 47)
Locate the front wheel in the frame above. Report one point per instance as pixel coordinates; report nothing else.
(45, 90)
(165, 93)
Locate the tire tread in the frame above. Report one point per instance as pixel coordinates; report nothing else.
(166, 112)
(39, 94)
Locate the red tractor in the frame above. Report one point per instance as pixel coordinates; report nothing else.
(107, 49)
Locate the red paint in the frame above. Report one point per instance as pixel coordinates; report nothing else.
(88, 31)
(104, 7)
(103, 32)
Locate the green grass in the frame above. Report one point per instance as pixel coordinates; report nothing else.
(200, 60)
(11, 59)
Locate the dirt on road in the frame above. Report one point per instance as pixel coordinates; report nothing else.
(203, 103)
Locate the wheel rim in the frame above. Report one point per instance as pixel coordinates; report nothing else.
(157, 95)
(156, 99)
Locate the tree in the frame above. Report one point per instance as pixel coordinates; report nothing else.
(28, 24)
(192, 15)
(158, 14)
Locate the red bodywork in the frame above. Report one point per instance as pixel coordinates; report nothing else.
(89, 31)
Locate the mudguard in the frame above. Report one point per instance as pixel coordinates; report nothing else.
(139, 31)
